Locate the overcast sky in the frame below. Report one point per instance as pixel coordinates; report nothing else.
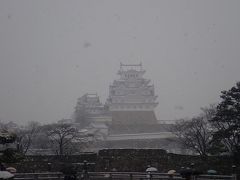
(52, 52)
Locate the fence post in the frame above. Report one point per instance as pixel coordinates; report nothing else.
(151, 176)
(193, 177)
(234, 173)
(131, 176)
(85, 170)
(110, 176)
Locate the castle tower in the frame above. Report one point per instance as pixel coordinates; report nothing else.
(89, 109)
(131, 98)
(91, 104)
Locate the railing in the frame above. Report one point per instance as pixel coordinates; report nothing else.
(35, 176)
(117, 176)
(215, 177)
(131, 175)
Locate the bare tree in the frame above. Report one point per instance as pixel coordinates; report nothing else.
(62, 137)
(25, 136)
(194, 134)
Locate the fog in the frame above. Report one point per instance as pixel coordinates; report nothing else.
(52, 52)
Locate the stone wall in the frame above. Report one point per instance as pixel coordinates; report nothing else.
(54, 162)
(138, 159)
(125, 160)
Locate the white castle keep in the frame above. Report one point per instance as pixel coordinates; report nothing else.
(131, 100)
(131, 92)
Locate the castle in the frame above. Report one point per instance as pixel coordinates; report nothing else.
(127, 118)
(131, 100)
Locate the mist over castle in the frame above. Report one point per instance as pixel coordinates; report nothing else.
(128, 113)
(50, 55)
(77, 103)
(131, 98)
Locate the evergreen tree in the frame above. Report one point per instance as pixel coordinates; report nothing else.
(227, 120)
(8, 154)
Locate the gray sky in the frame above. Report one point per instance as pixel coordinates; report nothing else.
(52, 52)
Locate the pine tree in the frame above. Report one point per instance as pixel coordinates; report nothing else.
(227, 120)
